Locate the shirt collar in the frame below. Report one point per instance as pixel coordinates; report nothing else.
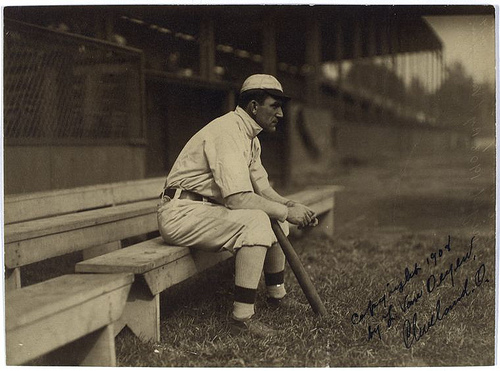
(250, 126)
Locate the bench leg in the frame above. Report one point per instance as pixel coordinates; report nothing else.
(12, 279)
(326, 224)
(92, 252)
(141, 313)
(95, 349)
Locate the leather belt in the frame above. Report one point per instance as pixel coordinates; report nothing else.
(184, 194)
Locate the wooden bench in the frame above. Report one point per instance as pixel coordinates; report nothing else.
(94, 219)
(158, 266)
(69, 318)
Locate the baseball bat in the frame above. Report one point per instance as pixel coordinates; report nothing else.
(299, 271)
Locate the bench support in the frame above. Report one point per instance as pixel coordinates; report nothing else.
(141, 313)
(92, 252)
(326, 224)
(95, 349)
(68, 319)
(12, 279)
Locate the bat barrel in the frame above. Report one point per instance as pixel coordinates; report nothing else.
(299, 270)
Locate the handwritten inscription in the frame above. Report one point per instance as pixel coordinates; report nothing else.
(414, 331)
(439, 272)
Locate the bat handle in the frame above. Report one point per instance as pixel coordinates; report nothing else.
(299, 270)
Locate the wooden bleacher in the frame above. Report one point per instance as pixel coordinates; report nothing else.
(69, 318)
(44, 225)
(95, 219)
(158, 266)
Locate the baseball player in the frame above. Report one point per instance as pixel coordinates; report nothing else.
(217, 197)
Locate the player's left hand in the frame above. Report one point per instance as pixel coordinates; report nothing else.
(313, 223)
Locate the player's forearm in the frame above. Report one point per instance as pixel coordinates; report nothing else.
(250, 200)
(271, 194)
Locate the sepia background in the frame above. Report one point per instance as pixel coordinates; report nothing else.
(395, 103)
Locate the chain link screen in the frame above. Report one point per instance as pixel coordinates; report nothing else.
(59, 86)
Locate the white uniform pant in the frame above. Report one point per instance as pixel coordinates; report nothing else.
(210, 227)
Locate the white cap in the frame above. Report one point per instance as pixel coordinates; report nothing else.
(264, 82)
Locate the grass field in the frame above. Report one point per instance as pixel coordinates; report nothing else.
(408, 280)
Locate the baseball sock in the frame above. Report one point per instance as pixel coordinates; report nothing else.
(274, 272)
(248, 269)
(275, 284)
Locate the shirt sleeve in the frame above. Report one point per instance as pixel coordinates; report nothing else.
(258, 172)
(228, 165)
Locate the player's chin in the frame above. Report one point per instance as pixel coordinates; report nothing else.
(271, 128)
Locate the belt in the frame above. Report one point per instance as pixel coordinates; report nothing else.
(184, 194)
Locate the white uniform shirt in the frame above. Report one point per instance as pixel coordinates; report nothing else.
(221, 159)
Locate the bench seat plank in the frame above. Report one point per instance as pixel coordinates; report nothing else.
(42, 227)
(162, 265)
(315, 195)
(40, 300)
(48, 315)
(137, 259)
(22, 207)
(20, 253)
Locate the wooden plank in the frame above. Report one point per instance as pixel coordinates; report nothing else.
(204, 260)
(37, 205)
(322, 206)
(314, 195)
(58, 224)
(44, 317)
(92, 252)
(181, 269)
(37, 249)
(34, 302)
(137, 259)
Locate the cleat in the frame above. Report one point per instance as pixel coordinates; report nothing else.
(251, 326)
(285, 303)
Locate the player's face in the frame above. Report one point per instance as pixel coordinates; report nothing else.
(269, 113)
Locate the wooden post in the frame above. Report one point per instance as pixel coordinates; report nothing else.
(269, 53)
(230, 100)
(395, 48)
(339, 55)
(357, 53)
(141, 313)
(372, 52)
(207, 49)
(313, 60)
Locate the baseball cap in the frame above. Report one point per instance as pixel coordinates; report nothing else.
(268, 83)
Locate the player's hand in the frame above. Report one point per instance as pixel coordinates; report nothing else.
(313, 223)
(300, 215)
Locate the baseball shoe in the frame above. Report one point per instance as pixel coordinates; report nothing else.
(251, 326)
(285, 303)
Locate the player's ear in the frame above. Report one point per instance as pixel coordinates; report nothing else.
(253, 106)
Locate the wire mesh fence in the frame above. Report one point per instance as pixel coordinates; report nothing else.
(59, 86)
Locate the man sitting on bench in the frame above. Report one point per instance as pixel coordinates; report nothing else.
(217, 196)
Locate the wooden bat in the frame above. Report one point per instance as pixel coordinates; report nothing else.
(299, 271)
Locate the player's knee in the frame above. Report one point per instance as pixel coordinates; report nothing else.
(259, 229)
(259, 219)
